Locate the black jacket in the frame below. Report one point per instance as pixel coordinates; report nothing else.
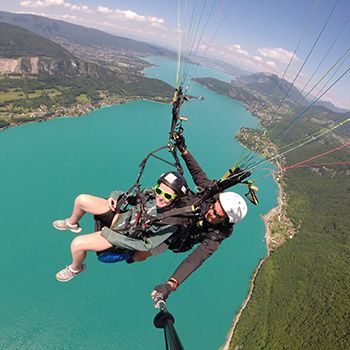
(208, 236)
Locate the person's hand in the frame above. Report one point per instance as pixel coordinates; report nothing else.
(180, 143)
(161, 292)
(112, 203)
(237, 170)
(241, 174)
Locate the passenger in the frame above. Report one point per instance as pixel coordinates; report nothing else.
(121, 228)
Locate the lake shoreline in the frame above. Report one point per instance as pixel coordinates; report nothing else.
(267, 219)
(79, 110)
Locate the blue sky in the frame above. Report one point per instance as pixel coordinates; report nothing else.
(258, 35)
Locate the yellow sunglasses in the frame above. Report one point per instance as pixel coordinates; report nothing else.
(166, 195)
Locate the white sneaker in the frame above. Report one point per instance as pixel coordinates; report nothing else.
(65, 225)
(68, 273)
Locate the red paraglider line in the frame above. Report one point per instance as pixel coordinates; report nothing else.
(317, 165)
(314, 157)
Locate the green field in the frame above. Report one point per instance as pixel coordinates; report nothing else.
(82, 98)
(16, 94)
(11, 95)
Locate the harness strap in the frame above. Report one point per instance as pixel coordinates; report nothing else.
(175, 220)
(177, 211)
(176, 216)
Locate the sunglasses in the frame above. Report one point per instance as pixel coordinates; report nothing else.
(216, 214)
(166, 195)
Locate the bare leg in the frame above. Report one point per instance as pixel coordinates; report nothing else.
(82, 244)
(86, 203)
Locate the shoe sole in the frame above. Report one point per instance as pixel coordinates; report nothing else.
(74, 230)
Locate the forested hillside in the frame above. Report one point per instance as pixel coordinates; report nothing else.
(301, 298)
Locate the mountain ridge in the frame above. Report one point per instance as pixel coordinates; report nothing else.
(255, 93)
(18, 42)
(53, 29)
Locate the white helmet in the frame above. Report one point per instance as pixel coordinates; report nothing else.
(234, 206)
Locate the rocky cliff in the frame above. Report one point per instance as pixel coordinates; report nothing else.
(50, 67)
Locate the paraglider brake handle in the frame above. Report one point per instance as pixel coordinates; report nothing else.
(176, 134)
(159, 302)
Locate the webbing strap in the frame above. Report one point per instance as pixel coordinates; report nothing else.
(177, 211)
(175, 220)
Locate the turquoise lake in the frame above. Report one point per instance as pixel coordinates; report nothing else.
(44, 166)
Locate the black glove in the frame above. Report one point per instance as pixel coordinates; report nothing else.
(237, 177)
(238, 170)
(180, 143)
(162, 291)
(240, 174)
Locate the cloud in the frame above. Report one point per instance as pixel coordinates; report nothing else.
(68, 18)
(272, 60)
(44, 3)
(80, 7)
(104, 10)
(236, 54)
(133, 16)
(277, 54)
(271, 64)
(127, 21)
(236, 48)
(50, 3)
